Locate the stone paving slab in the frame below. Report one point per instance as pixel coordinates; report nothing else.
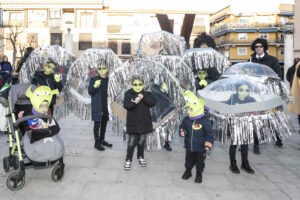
(90, 174)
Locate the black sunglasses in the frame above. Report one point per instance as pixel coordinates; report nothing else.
(258, 46)
(140, 84)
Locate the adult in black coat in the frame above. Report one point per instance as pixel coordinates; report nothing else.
(137, 102)
(260, 55)
(29, 50)
(98, 91)
(48, 78)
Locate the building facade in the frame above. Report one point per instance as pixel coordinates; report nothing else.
(297, 29)
(90, 23)
(234, 31)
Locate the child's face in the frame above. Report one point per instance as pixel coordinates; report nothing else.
(49, 68)
(137, 86)
(243, 92)
(201, 74)
(43, 109)
(102, 71)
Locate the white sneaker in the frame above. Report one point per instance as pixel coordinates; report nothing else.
(141, 162)
(127, 165)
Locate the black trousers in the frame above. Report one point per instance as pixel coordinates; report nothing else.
(101, 124)
(256, 138)
(299, 119)
(244, 152)
(195, 158)
(135, 140)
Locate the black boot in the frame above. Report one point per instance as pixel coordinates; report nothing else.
(198, 178)
(245, 166)
(233, 167)
(167, 146)
(256, 149)
(279, 143)
(187, 174)
(98, 146)
(104, 143)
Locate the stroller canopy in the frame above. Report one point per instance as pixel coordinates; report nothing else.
(161, 42)
(40, 56)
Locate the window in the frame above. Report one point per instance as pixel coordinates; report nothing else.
(56, 39)
(126, 48)
(263, 35)
(16, 18)
(113, 45)
(54, 14)
(282, 51)
(86, 20)
(243, 21)
(242, 51)
(32, 40)
(85, 41)
(242, 36)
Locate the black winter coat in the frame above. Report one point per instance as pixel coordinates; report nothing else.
(194, 140)
(138, 119)
(290, 74)
(98, 98)
(270, 61)
(40, 78)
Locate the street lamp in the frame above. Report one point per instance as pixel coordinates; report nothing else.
(68, 26)
(69, 37)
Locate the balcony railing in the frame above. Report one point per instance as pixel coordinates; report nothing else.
(250, 26)
(247, 42)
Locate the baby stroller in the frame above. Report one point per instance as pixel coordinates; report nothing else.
(4, 106)
(23, 153)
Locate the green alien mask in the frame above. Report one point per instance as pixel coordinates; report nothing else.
(243, 92)
(49, 68)
(137, 85)
(102, 70)
(194, 105)
(202, 74)
(39, 96)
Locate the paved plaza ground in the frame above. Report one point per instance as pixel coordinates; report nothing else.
(90, 174)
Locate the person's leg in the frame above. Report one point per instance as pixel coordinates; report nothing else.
(256, 143)
(132, 142)
(245, 163)
(189, 164)
(200, 158)
(167, 144)
(140, 150)
(278, 140)
(233, 166)
(96, 136)
(102, 132)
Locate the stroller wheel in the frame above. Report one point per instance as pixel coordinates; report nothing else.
(6, 164)
(15, 162)
(57, 173)
(14, 182)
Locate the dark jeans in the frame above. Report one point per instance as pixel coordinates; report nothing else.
(244, 152)
(102, 124)
(136, 140)
(195, 158)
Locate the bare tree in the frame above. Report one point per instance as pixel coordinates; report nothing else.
(22, 49)
(14, 31)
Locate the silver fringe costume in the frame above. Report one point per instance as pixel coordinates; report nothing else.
(37, 60)
(162, 42)
(151, 72)
(265, 116)
(263, 74)
(204, 58)
(78, 99)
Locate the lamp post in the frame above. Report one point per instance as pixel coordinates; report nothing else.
(69, 37)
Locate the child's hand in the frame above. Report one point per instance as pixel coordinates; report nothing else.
(141, 96)
(20, 115)
(207, 149)
(57, 77)
(182, 133)
(97, 83)
(137, 100)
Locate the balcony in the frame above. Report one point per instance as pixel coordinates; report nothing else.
(231, 42)
(251, 27)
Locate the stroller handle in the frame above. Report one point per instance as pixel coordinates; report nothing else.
(26, 118)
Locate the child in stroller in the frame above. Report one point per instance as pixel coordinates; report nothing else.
(41, 144)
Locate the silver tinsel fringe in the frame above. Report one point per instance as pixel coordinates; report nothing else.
(79, 76)
(241, 127)
(204, 58)
(162, 42)
(279, 88)
(39, 57)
